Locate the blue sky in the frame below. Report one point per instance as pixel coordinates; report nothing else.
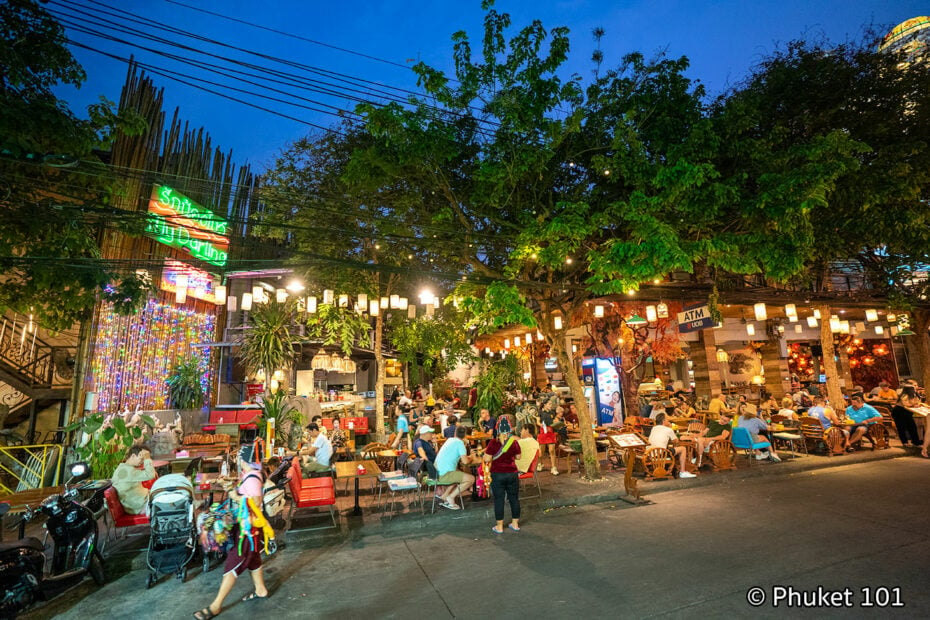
(723, 39)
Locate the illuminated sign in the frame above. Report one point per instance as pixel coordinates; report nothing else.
(199, 282)
(177, 221)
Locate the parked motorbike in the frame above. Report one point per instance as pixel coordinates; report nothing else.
(73, 529)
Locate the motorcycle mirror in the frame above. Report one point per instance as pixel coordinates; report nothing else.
(4, 508)
(79, 471)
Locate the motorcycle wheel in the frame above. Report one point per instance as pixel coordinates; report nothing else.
(206, 562)
(97, 570)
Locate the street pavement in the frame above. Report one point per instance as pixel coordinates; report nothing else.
(691, 553)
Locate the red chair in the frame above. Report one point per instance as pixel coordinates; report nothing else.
(310, 493)
(121, 520)
(532, 474)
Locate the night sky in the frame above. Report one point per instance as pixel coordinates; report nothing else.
(722, 38)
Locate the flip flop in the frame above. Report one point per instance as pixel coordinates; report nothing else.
(205, 614)
(515, 529)
(254, 596)
(497, 531)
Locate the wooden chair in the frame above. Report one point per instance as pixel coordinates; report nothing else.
(887, 420)
(722, 455)
(658, 463)
(695, 429)
(832, 439)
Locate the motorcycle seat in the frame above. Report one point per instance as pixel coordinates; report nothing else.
(29, 542)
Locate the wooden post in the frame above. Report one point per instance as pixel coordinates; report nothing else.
(706, 369)
(775, 368)
(922, 343)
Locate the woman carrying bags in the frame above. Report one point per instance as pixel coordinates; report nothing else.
(501, 454)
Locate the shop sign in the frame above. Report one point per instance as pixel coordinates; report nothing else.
(254, 389)
(199, 282)
(694, 317)
(177, 221)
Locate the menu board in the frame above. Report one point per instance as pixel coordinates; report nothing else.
(628, 440)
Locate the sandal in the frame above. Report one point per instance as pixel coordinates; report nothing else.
(497, 531)
(514, 528)
(254, 596)
(205, 614)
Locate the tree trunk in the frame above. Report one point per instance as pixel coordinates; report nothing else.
(556, 341)
(921, 324)
(834, 392)
(379, 382)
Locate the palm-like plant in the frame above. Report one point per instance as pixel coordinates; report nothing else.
(185, 390)
(275, 407)
(268, 344)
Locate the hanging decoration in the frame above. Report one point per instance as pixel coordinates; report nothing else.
(134, 354)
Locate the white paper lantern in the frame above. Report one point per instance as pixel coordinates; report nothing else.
(871, 316)
(219, 293)
(651, 314)
(246, 302)
(598, 311)
(761, 314)
(311, 304)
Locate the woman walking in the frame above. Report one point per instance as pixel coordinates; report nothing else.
(501, 454)
(904, 418)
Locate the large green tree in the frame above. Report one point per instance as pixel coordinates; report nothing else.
(874, 216)
(559, 190)
(53, 184)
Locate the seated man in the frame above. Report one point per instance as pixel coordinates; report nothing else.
(486, 422)
(449, 431)
(718, 404)
(863, 415)
(529, 448)
(452, 454)
(824, 412)
(758, 431)
(662, 436)
(128, 478)
(317, 456)
(883, 393)
(716, 429)
(423, 445)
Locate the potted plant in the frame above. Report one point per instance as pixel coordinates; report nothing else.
(185, 390)
(267, 345)
(286, 416)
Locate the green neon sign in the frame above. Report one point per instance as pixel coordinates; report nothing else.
(177, 221)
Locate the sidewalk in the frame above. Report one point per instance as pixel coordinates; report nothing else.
(569, 491)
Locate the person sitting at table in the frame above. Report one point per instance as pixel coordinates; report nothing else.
(883, 392)
(863, 415)
(824, 412)
(662, 436)
(452, 454)
(316, 457)
(787, 402)
(769, 405)
(759, 431)
(423, 445)
(718, 405)
(656, 407)
(127, 479)
(718, 429)
(529, 448)
(318, 420)
(337, 437)
(452, 424)
(486, 422)
(904, 418)
(682, 408)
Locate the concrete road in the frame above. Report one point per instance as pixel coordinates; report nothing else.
(693, 553)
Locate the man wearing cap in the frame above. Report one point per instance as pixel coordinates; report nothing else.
(716, 429)
(423, 446)
(318, 455)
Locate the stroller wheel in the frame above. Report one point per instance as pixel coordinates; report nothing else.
(182, 574)
(151, 580)
(206, 562)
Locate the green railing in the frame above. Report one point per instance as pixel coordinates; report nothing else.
(28, 467)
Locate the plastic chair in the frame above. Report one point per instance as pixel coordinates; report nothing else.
(431, 483)
(532, 475)
(742, 440)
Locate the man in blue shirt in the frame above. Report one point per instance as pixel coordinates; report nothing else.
(863, 415)
(452, 454)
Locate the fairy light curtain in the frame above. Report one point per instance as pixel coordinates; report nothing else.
(134, 354)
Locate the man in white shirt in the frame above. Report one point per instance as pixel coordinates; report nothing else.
(450, 456)
(529, 448)
(317, 456)
(405, 402)
(663, 436)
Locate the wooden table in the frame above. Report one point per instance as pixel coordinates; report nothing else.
(31, 498)
(349, 469)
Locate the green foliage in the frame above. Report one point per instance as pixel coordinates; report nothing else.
(105, 444)
(438, 343)
(496, 377)
(277, 408)
(268, 344)
(185, 390)
(53, 183)
(337, 326)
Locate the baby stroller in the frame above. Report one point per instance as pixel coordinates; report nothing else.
(171, 513)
